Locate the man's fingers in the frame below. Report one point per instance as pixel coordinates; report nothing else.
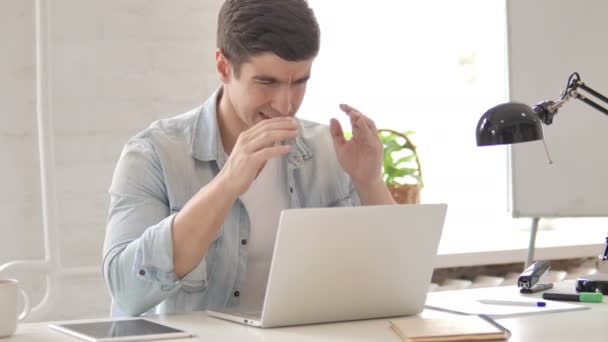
(348, 109)
(261, 135)
(272, 124)
(361, 123)
(360, 128)
(351, 111)
(371, 124)
(269, 138)
(268, 153)
(336, 132)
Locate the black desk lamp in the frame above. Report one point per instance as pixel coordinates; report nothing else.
(513, 122)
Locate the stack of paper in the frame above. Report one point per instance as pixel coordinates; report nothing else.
(471, 302)
(456, 328)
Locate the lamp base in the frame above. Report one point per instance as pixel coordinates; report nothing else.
(597, 282)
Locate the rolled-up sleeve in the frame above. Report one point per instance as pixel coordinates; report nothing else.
(138, 248)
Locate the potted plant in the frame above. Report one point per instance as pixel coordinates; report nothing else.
(401, 166)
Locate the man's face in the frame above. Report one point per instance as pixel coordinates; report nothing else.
(267, 87)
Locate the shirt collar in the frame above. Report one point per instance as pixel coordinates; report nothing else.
(207, 142)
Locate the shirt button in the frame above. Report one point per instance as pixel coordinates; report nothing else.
(142, 272)
(244, 242)
(291, 190)
(237, 293)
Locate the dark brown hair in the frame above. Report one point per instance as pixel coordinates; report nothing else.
(287, 28)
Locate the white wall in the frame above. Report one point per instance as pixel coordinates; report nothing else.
(543, 51)
(115, 67)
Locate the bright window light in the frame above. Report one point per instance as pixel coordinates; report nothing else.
(432, 67)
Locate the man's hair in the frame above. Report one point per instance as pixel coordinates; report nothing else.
(287, 28)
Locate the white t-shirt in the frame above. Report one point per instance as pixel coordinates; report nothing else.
(264, 200)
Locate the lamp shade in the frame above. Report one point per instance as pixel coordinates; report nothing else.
(509, 123)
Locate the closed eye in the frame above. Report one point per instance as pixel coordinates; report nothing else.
(265, 80)
(302, 80)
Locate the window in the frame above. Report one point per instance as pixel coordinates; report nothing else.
(433, 67)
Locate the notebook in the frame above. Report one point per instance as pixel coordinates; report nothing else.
(453, 328)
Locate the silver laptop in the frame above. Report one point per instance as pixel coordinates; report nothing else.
(340, 264)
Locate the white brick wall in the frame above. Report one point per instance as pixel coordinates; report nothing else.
(115, 67)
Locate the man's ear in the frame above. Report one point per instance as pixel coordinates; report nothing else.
(223, 66)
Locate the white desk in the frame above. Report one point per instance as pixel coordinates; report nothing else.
(585, 325)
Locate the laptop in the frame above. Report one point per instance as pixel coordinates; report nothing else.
(353, 263)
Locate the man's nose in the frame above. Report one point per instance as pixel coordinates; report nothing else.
(283, 102)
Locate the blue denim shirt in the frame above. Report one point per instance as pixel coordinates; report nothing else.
(159, 170)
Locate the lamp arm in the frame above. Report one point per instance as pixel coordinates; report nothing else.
(547, 109)
(591, 103)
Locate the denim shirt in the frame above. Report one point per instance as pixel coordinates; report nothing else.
(158, 172)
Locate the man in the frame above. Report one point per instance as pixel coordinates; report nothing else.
(195, 199)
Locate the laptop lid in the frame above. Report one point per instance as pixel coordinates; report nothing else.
(338, 264)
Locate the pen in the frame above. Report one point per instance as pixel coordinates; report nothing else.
(588, 297)
(512, 302)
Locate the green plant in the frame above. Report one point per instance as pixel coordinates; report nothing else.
(401, 164)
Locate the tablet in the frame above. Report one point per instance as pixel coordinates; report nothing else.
(115, 330)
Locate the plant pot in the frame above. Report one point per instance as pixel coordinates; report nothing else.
(406, 193)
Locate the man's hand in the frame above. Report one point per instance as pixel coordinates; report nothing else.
(361, 156)
(253, 148)
(196, 225)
